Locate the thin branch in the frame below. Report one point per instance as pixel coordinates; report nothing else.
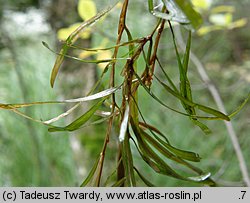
(218, 100)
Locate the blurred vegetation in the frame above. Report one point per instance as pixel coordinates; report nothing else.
(30, 156)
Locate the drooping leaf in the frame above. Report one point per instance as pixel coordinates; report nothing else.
(151, 128)
(218, 114)
(156, 163)
(98, 95)
(153, 160)
(162, 147)
(79, 121)
(127, 160)
(191, 156)
(91, 173)
(145, 180)
(71, 39)
(105, 60)
(240, 107)
(135, 41)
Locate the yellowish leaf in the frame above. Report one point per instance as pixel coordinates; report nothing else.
(63, 33)
(221, 19)
(206, 29)
(238, 23)
(223, 9)
(86, 9)
(202, 4)
(104, 55)
(86, 54)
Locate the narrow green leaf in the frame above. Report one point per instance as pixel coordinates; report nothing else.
(79, 121)
(240, 107)
(202, 126)
(119, 183)
(131, 42)
(206, 109)
(191, 156)
(16, 106)
(166, 75)
(162, 148)
(151, 128)
(187, 155)
(127, 160)
(71, 39)
(61, 54)
(213, 112)
(98, 95)
(187, 53)
(145, 180)
(91, 173)
(152, 158)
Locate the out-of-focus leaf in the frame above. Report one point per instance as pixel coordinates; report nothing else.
(80, 121)
(91, 173)
(63, 33)
(71, 39)
(223, 9)
(238, 23)
(103, 55)
(221, 19)
(202, 4)
(206, 29)
(86, 9)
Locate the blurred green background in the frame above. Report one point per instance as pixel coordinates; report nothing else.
(30, 156)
